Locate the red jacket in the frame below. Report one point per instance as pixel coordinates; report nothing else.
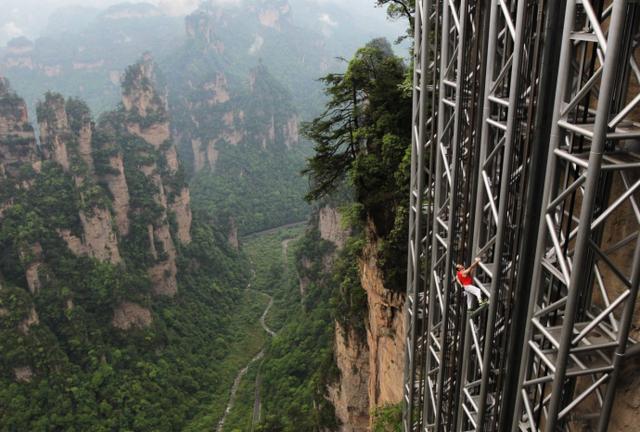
(464, 280)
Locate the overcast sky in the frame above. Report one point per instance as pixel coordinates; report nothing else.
(29, 17)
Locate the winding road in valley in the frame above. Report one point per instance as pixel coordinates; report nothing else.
(260, 355)
(270, 332)
(243, 371)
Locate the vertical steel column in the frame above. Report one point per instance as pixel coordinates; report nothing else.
(572, 323)
(543, 79)
(501, 262)
(451, 179)
(501, 101)
(438, 300)
(418, 218)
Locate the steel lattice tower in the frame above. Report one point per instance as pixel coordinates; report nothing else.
(500, 86)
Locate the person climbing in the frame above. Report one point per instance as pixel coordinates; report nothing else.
(465, 278)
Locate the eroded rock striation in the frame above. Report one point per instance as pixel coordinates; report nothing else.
(17, 137)
(119, 186)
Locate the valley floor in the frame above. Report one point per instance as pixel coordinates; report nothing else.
(270, 254)
(250, 341)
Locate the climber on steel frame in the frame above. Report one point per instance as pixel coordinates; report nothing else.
(465, 278)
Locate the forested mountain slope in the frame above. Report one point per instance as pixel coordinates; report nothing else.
(110, 292)
(345, 344)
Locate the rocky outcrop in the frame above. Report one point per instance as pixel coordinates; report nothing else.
(30, 320)
(17, 138)
(171, 158)
(85, 134)
(232, 234)
(181, 208)
(155, 134)
(372, 364)
(350, 394)
(273, 14)
(23, 374)
(291, 131)
(139, 95)
(330, 226)
(303, 278)
(54, 129)
(163, 274)
(130, 316)
(146, 106)
(205, 155)
(385, 333)
(32, 260)
(73, 242)
(146, 117)
(32, 273)
(99, 239)
(218, 90)
(117, 183)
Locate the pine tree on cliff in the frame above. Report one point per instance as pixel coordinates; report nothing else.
(363, 137)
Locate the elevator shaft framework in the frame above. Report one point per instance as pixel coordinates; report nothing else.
(546, 352)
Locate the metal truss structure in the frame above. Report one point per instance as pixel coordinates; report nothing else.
(500, 87)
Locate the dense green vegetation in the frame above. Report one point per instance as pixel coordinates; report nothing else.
(299, 361)
(240, 418)
(273, 274)
(258, 189)
(363, 138)
(77, 371)
(387, 418)
(90, 377)
(361, 143)
(256, 179)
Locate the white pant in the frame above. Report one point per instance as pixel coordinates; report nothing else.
(472, 291)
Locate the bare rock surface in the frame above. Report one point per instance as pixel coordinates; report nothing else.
(131, 315)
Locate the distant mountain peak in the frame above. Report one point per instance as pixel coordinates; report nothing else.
(131, 10)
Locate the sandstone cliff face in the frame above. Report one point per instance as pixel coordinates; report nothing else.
(232, 234)
(101, 161)
(30, 320)
(256, 114)
(139, 95)
(205, 154)
(330, 226)
(85, 148)
(117, 184)
(385, 334)
(147, 117)
(54, 129)
(371, 368)
(181, 207)
(350, 395)
(131, 315)
(17, 138)
(66, 133)
(23, 374)
(32, 260)
(99, 238)
(163, 274)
